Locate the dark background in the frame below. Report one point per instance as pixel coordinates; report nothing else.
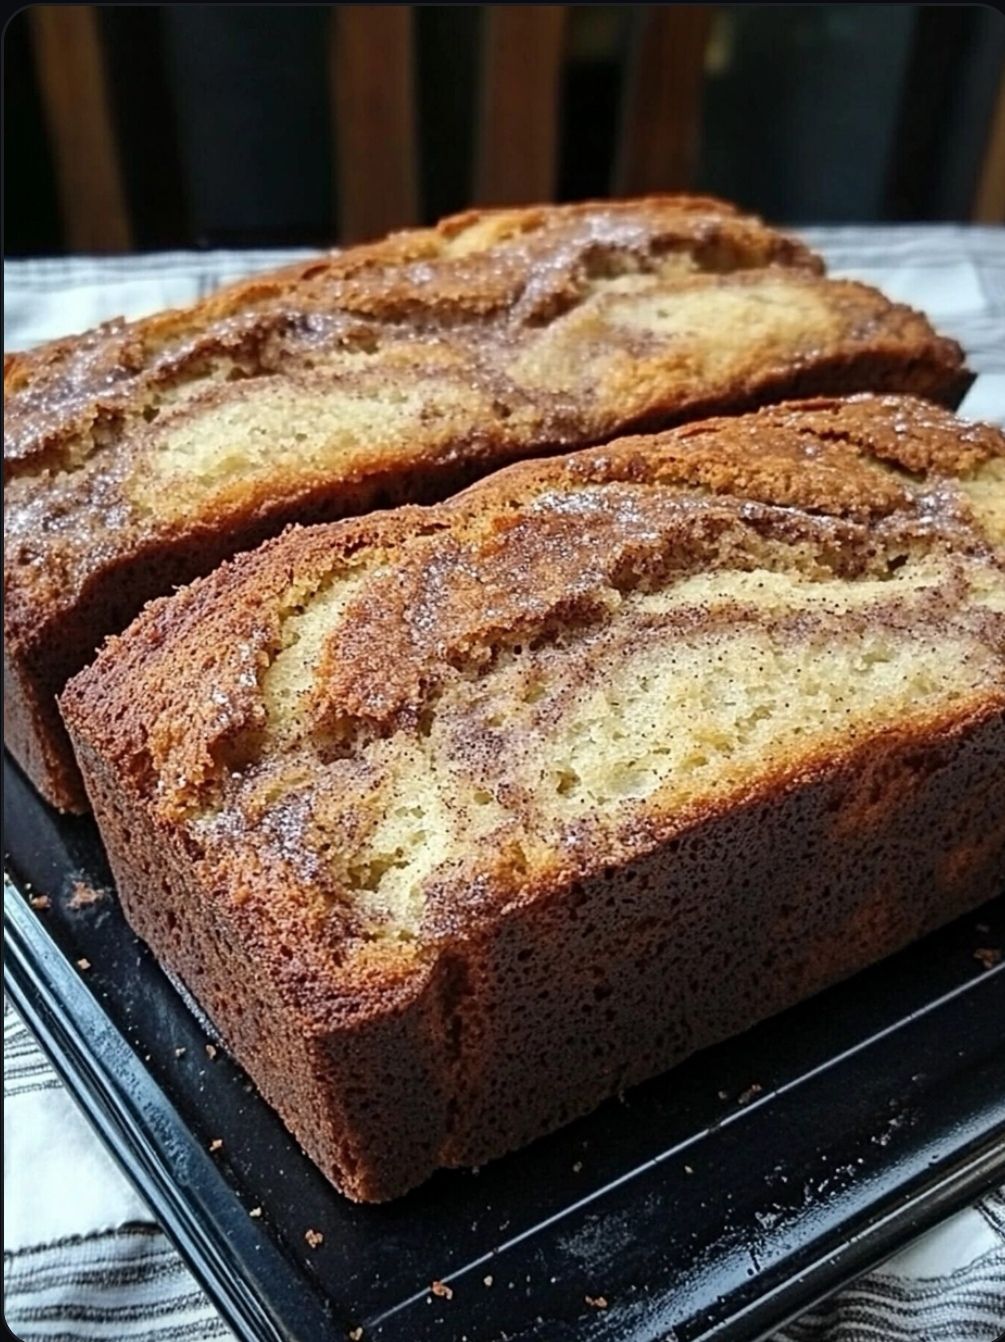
(223, 118)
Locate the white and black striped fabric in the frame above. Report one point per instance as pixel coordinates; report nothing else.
(107, 1286)
(83, 1259)
(891, 1305)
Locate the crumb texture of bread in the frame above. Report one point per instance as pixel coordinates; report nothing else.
(436, 806)
(141, 454)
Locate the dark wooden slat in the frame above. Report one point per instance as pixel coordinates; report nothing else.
(989, 199)
(71, 78)
(660, 138)
(921, 141)
(517, 153)
(373, 100)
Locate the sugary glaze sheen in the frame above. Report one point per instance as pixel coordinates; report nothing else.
(371, 746)
(139, 455)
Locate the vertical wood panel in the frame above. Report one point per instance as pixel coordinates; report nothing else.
(989, 200)
(517, 155)
(373, 101)
(71, 77)
(660, 139)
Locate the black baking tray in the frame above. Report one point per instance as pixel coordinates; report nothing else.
(712, 1203)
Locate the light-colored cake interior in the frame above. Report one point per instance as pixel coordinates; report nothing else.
(707, 326)
(304, 427)
(348, 409)
(499, 699)
(641, 716)
(985, 489)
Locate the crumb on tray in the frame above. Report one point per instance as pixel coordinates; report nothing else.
(84, 894)
(441, 1289)
(314, 1237)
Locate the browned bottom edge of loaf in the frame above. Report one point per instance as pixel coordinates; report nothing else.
(521, 1026)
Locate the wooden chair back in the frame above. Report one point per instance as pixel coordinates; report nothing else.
(372, 66)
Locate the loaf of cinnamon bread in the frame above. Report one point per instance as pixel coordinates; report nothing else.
(457, 820)
(139, 455)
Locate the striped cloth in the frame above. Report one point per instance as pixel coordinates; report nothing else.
(83, 1258)
(114, 1284)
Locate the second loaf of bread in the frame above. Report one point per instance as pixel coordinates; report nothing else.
(458, 820)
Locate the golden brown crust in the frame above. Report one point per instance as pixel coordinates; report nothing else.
(437, 990)
(140, 454)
